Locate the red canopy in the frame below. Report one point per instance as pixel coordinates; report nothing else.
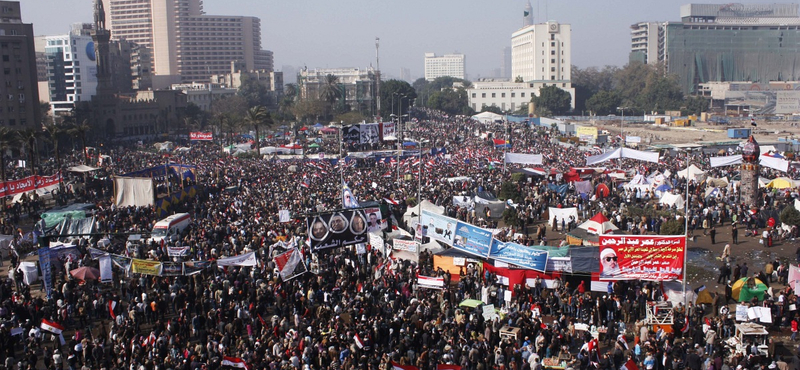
(602, 191)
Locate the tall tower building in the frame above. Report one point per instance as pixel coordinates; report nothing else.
(19, 107)
(648, 42)
(527, 19)
(542, 53)
(102, 37)
(185, 43)
(72, 69)
(446, 65)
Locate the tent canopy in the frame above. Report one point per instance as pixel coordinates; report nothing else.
(745, 289)
(82, 168)
(487, 117)
(598, 224)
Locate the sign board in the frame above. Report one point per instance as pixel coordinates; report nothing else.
(586, 131)
(787, 102)
(641, 257)
(201, 136)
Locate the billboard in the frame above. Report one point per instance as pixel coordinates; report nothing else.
(441, 228)
(388, 131)
(472, 239)
(519, 255)
(586, 131)
(365, 133)
(337, 229)
(787, 102)
(201, 136)
(642, 257)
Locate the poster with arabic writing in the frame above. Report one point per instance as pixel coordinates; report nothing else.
(642, 257)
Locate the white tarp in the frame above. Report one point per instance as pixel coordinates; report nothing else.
(82, 168)
(561, 214)
(694, 173)
(487, 117)
(623, 153)
(766, 161)
(134, 191)
(672, 200)
(535, 159)
(247, 259)
(30, 274)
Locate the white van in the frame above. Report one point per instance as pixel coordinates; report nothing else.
(170, 227)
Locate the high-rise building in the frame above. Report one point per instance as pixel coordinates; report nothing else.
(185, 43)
(648, 42)
(71, 70)
(19, 106)
(726, 42)
(505, 72)
(542, 52)
(451, 65)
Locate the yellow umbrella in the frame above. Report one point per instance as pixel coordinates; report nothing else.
(737, 286)
(780, 183)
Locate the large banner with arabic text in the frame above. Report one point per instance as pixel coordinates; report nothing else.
(29, 183)
(472, 239)
(337, 229)
(520, 255)
(642, 257)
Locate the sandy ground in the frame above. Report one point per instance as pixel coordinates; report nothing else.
(767, 131)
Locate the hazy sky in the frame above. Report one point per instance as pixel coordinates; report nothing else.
(341, 33)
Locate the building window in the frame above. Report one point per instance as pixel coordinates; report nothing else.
(502, 95)
(483, 95)
(553, 44)
(552, 69)
(512, 94)
(552, 61)
(552, 52)
(473, 95)
(522, 95)
(494, 95)
(552, 36)
(552, 78)
(12, 122)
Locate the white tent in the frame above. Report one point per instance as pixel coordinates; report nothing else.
(694, 173)
(412, 214)
(487, 117)
(561, 214)
(674, 292)
(672, 200)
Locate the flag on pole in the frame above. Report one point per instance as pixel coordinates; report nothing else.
(396, 366)
(290, 264)
(111, 306)
(234, 362)
(359, 341)
(391, 201)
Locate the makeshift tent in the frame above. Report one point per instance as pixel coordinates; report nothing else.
(29, 272)
(704, 297)
(487, 117)
(583, 187)
(85, 273)
(412, 213)
(602, 191)
(717, 182)
(766, 161)
(75, 226)
(670, 200)
(164, 147)
(674, 292)
(781, 183)
(598, 225)
(534, 159)
(452, 260)
(485, 200)
(623, 153)
(561, 214)
(745, 289)
(693, 172)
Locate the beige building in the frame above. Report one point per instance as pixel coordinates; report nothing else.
(358, 85)
(272, 81)
(185, 44)
(19, 101)
(204, 95)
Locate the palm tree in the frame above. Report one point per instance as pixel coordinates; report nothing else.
(256, 116)
(188, 122)
(28, 137)
(7, 140)
(330, 91)
(80, 131)
(53, 132)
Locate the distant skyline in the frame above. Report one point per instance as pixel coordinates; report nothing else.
(331, 34)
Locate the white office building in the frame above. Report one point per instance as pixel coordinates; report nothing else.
(542, 52)
(71, 70)
(648, 42)
(451, 65)
(506, 95)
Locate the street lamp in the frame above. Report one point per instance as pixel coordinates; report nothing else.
(621, 122)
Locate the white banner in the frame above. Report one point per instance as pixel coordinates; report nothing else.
(430, 282)
(177, 251)
(726, 160)
(405, 245)
(623, 153)
(106, 275)
(766, 161)
(535, 159)
(633, 139)
(284, 215)
(247, 259)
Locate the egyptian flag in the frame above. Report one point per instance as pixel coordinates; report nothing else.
(51, 326)
(391, 201)
(685, 325)
(359, 341)
(111, 306)
(396, 366)
(630, 365)
(447, 367)
(234, 362)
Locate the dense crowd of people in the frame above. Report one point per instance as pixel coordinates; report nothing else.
(366, 311)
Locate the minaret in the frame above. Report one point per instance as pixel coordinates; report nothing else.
(527, 19)
(101, 37)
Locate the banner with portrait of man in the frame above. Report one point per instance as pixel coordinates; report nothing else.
(642, 257)
(337, 229)
(375, 221)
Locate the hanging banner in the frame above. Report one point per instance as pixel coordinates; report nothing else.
(44, 264)
(122, 262)
(106, 276)
(337, 229)
(641, 257)
(284, 216)
(430, 282)
(519, 255)
(201, 136)
(404, 245)
(30, 183)
(247, 259)
(472, 239)
(375, 221)
(146, 267)
(195, 267)
(177, 251)
(441, 228)
(171, 269)
(388, 131)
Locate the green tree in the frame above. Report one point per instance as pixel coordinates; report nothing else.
(290, 94)
(256, 117)
(588, 82)
(630, 81)
(7, 140)
(331, 91)
(694, 105)
(253, 92)
(508, 190)
(29, 137)
(492, 108)
(603, 103)
(672, 226)
(553, 100)
(53, 134)
(350, 117)
(309, 110)
(518, 80)
(425, 88)
(790, 216)
(450, 101)
(396, 96)
(80, 130)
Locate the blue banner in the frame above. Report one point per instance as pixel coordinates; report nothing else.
(440, 227)
(519, 255)
(44, 264)
(472, 239)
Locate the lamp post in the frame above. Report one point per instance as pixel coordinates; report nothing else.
(621, 122)
(686, 227)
